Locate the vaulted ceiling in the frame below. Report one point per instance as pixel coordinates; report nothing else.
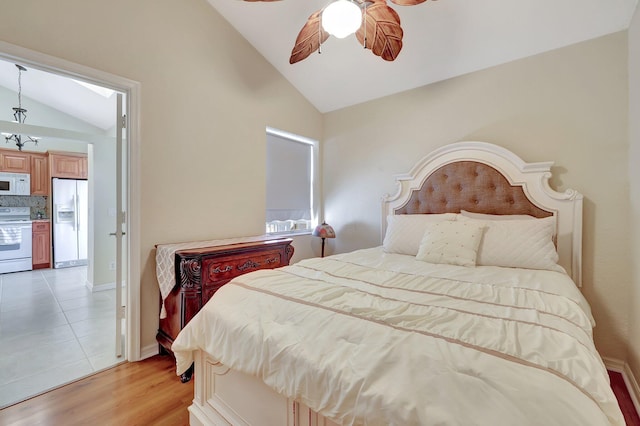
(442, 39)
(60, 93)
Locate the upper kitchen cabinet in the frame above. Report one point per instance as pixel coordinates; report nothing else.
(40, 174)
(15, 161)
(68, 165)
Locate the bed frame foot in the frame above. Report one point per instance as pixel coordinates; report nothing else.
(186, 376)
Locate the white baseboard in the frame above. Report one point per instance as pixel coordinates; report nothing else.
(101, 287)
(149, 351)
(613, 364)
(628, 377)
(632, 385)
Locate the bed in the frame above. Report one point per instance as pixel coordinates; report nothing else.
(468, 313)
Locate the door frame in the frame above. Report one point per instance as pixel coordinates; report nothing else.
(131, 88)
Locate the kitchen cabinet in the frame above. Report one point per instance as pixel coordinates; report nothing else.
(68, 165)
(15, 161)
(41, 244)
(40, 174)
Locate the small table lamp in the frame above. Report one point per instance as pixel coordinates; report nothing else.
(324, 231)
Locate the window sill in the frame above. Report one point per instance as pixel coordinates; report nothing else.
(288, 234)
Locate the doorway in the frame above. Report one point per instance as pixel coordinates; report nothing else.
(105, 270)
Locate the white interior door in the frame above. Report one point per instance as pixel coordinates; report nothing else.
(120, 222)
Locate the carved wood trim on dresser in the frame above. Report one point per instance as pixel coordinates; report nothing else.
(200, 272)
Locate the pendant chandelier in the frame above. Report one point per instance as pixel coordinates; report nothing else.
(19, 115)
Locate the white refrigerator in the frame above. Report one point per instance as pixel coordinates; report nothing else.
(70, 216)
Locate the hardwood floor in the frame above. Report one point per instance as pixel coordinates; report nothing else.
(149, 393)
(137, 393)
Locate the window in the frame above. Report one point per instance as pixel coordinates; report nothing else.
(291, 180)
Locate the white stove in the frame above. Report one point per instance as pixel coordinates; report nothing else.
(15, 239)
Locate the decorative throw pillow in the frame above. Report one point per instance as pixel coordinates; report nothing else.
(455, 243)
(404, 231)
(526, 243)
(484, 216)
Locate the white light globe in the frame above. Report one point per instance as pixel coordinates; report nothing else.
(341, 18)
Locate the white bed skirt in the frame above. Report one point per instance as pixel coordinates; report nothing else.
(226, 397)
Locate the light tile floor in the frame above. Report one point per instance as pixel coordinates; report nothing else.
(53, 330)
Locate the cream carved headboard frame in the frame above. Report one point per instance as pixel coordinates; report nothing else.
(485, 178)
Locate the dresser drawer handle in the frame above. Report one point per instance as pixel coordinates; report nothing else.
(220, 271)
(249, 264)
(272, 260)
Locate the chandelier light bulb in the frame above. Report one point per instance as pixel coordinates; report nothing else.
(341, 18)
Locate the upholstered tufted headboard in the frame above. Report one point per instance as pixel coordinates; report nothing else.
(485, 178)
(471, 186)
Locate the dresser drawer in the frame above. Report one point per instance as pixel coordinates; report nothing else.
(222, 269)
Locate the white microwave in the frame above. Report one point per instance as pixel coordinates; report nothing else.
(15, 183)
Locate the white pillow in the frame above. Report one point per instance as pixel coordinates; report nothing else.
(526, 243)
(455, 243)
(404, 231)
(484, 216)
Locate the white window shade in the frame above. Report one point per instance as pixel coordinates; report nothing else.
(289, 179)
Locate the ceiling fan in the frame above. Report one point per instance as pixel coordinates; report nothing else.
(377, 27)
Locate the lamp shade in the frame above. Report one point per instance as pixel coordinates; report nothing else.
(324, 231)
(341, 18)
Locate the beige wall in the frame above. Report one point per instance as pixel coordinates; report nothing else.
(206, 98)
(569, 105)
(634, 191)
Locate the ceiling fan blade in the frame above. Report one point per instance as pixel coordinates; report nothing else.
(383, 31)
(309, 39)
(398, 2)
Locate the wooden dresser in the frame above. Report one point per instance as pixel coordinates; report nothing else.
(200, 272)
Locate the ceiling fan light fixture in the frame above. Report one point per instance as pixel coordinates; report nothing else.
(341, 18)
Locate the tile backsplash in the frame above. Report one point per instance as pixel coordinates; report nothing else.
(37, 203)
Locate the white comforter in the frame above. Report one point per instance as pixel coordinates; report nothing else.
(368, 338)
